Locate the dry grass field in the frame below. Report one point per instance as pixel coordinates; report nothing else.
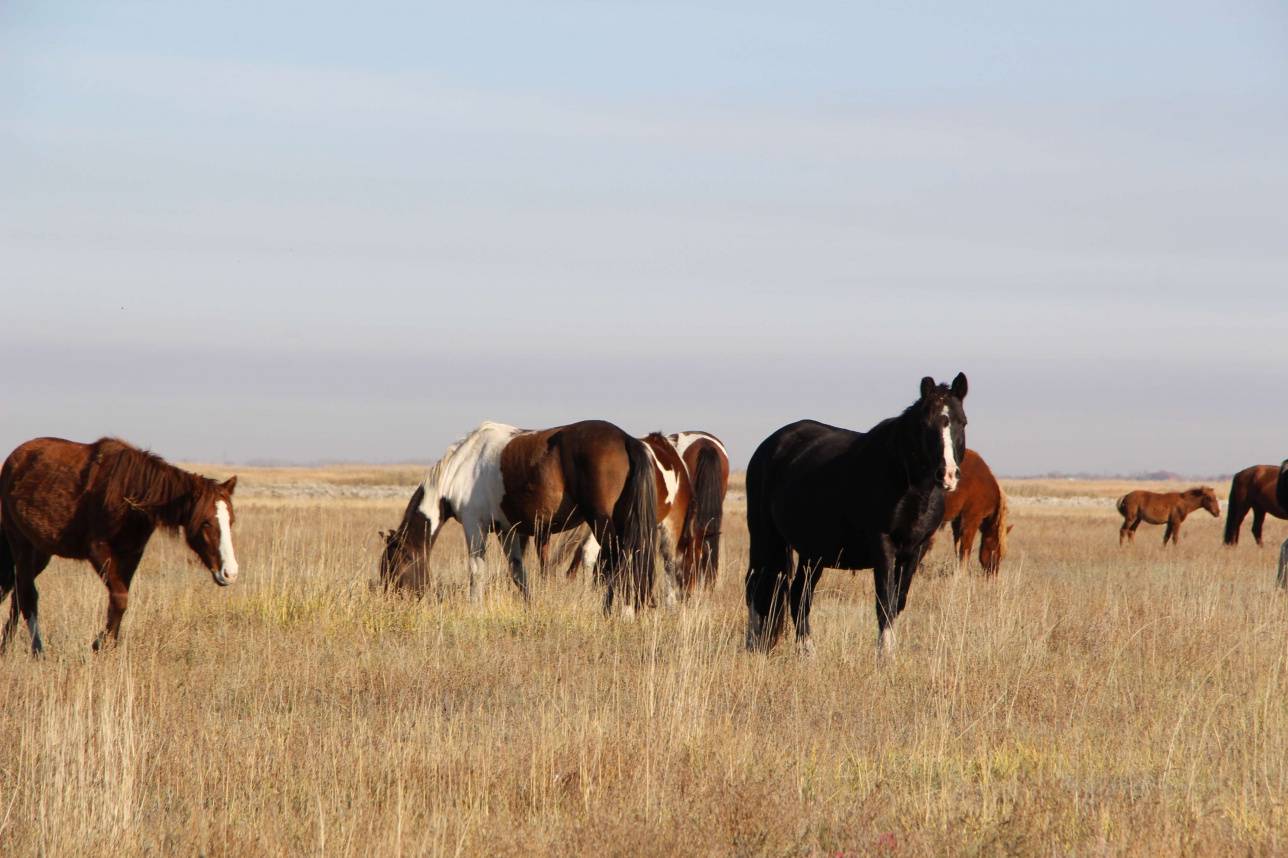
(1092, 700)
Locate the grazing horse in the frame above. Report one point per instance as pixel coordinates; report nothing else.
(518, 484)
(978, 506)
(674, 510)
(849, 500)
(708, 463)
(1168, 508)
(1252, 489)
(101, 502)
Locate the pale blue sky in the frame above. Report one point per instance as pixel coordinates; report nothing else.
(339, 231)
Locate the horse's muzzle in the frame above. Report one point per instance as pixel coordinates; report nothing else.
(225, 575)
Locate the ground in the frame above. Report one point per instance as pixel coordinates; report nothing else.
(1092, 699)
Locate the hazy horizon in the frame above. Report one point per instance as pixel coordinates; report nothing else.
(308, 232)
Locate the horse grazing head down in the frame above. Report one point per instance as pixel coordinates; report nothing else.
(942, 424)
(1207, 499)
(209, 529)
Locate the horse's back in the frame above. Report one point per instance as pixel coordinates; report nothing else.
(43, 484)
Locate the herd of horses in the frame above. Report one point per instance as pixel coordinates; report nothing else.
(818, 496)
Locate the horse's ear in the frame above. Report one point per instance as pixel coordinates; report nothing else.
(959, 386)
(230, 484)
(927, 387)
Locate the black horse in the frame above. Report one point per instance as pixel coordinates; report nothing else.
(849, 500)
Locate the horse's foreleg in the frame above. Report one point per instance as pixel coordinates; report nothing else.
(117, 572)
(1258, 519)
(802, 599)
(885, 582)
(965, 542)
(476, 545)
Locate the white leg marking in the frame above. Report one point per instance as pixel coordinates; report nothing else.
(227, 558)
(589, 552)
(885, 642)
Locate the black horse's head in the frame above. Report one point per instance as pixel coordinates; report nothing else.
(942, 427)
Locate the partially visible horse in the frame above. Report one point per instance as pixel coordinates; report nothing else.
(101, 502)
(674, 510)
(708, 462)
(1252, 489)
(518, 484)
(820, 496)
(692, 477)
(1168, 508)
(978, 506)
(1281, 496)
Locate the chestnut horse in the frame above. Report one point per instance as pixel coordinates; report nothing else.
(518, 484)
(818, 496)
(692, 477)
(101, 502)
(1252, 489)
(708, 463)
(978, 506)
(1168, 508)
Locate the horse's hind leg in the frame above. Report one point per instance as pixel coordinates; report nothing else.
(769, 575)
(26, 601)
(1258, 519)
(666, 547)
(802, 599)
(516, 544)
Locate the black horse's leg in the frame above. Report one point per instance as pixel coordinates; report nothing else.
(885, 584)
(802, 598)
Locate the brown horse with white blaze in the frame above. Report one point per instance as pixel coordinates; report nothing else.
(1252, 490)
(101, 502)
(519, 484)
(1169, 508)
(978, 507)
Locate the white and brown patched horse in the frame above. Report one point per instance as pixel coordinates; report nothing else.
(691, 471)
(518, 484)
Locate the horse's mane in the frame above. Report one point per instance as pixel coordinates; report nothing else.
(141, 480)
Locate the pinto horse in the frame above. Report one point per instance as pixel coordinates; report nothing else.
(519, 484)
(978, 507)
(707, 461)
(1168, 508)
(101, 502)
(1252, 489)
(849, 500)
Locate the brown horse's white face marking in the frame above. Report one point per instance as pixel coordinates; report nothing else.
(212, 536)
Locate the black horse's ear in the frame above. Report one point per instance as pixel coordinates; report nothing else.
(927, 387)
(959, 386)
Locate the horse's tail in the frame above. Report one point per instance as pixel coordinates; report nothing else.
(707, 511)
(1236, 509)
(7, 569)
(637, 526)
(1122, 505)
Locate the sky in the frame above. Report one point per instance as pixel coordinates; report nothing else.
(332, 231)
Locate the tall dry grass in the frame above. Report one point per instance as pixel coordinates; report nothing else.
(1090, 700)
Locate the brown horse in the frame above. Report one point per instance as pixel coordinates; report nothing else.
(1252, 489)
(101, 502)
(519, 484)
(978, 506)
(1168, 508)
(674, 510)
(708, 464)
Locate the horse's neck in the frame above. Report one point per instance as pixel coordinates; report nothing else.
(894, 438)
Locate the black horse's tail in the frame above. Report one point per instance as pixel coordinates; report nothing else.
(1235, 511)
(6, 566)
(706, 512)
(637, 522)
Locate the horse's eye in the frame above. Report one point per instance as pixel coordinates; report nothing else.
(205, 525)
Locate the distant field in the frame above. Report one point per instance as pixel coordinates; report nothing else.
(1090, 700)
